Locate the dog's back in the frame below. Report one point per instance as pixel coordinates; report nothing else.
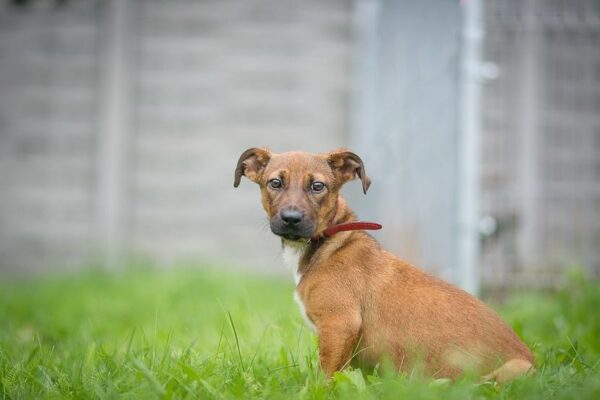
(424, 319)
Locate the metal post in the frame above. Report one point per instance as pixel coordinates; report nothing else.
(364, 98)
(528, 134)
(469, 153)
(114, 122)
(364, 104)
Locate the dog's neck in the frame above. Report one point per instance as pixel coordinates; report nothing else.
(298, 255)
(343, 213)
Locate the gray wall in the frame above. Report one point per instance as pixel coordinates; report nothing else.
(201, 81)
(214, 78)
(48, 118)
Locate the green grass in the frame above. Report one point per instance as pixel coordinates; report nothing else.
(190, 334)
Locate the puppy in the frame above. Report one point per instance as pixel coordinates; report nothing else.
(363, 302)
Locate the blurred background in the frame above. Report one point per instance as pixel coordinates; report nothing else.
(121, 122)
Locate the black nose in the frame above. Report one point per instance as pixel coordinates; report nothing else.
(291, 217)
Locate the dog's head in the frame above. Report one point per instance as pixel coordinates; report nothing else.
(300, 190)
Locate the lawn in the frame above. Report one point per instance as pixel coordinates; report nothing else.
(192, 334)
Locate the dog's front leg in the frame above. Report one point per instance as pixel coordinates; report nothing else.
(338, 338)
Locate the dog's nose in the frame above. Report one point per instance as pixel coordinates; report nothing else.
(291, 217)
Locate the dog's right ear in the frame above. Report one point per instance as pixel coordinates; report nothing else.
(251, 164)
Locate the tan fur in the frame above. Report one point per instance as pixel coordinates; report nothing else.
(510, 370)
(367, 304)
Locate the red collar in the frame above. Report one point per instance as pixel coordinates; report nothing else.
(346, 226)
(351, 226)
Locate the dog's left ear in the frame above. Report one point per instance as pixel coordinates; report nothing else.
(251, 164)
(347, 166)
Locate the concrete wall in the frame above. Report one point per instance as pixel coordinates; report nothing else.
(48, 118)
(196, 82)
(214, 78)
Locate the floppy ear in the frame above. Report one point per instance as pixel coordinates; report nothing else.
(251, 164)
(347, 166)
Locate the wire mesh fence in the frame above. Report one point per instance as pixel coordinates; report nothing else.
(541, 154)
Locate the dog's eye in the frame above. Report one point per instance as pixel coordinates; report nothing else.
(275, 183)
(317, 186)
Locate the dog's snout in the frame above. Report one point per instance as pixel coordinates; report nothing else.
(291, 217)
(292, 223)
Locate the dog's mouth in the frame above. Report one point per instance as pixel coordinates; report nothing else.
(292, 236)
(298, 233)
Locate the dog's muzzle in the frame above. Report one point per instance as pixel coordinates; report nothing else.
(292, 224)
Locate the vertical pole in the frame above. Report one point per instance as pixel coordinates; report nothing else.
(364, 97)
(364, 101)
(528, 132)
(469, 152)
(115, 110)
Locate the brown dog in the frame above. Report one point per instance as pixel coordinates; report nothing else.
(364, 303)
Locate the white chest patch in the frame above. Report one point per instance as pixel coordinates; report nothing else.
(303, 311)
(292, 253)
(291, 258)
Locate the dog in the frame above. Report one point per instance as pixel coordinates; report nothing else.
(365, 304)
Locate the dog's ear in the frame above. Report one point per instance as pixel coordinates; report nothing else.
(251, 164)
(347, 166)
